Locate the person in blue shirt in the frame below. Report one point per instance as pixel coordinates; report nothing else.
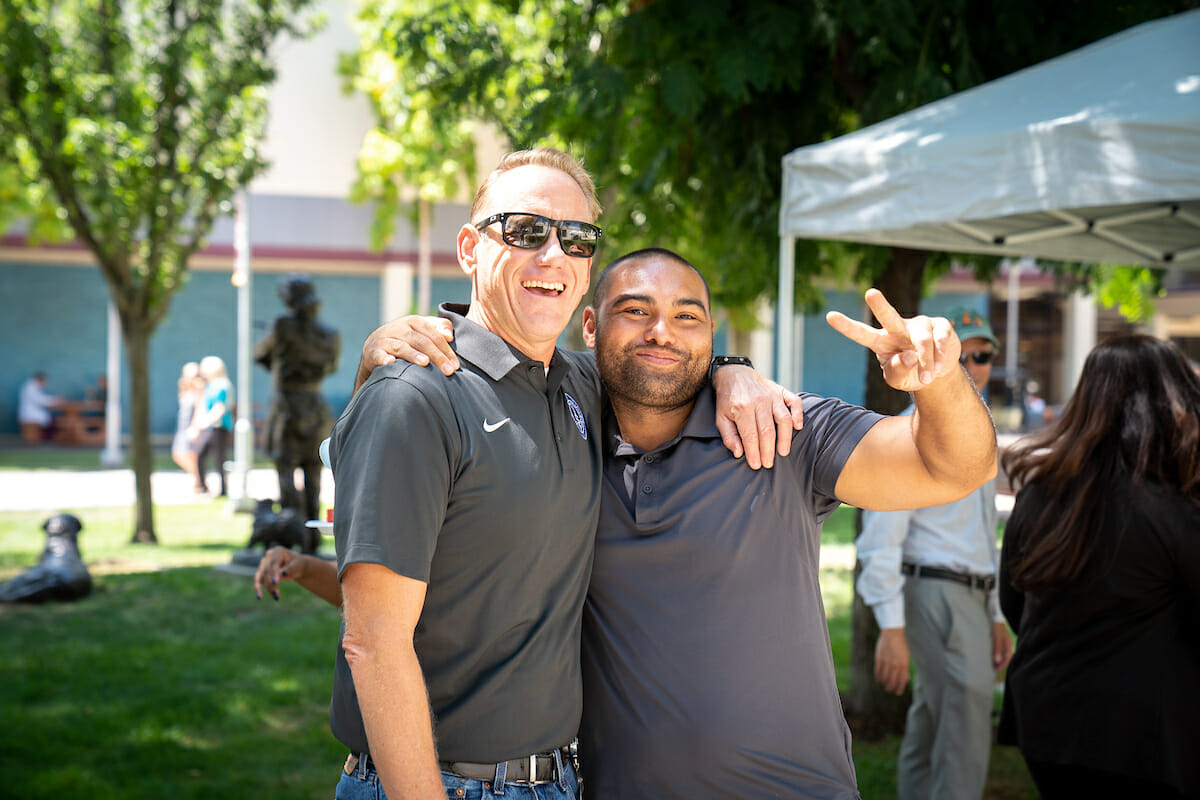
(213, 427)
(929, 576)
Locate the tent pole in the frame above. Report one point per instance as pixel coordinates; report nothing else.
(784, 336)
(1012, 328)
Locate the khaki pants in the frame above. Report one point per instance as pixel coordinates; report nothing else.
(948, 732)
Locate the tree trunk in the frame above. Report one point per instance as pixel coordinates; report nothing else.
(870, 710)
(137, 349)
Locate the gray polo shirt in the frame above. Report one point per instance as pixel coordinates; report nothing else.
(707, 664)
(485, 485)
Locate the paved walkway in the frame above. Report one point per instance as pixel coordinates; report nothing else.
(50, 490)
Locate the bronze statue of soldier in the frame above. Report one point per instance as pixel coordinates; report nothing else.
(299, 351)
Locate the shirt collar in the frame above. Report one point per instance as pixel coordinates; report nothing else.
(488, 351)
(700, 424)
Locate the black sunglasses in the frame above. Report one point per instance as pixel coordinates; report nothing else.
(529, 231)
(981, 357)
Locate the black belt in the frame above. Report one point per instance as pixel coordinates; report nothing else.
(985, 582)
(535, 769)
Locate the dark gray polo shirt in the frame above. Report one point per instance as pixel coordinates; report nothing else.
(485, 485)
(707, 664)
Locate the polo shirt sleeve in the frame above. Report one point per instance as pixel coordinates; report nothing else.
(391, 454)
(832, 429)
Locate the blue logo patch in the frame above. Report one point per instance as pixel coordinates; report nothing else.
(576, 415)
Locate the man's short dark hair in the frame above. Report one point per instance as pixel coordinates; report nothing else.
(637, 255)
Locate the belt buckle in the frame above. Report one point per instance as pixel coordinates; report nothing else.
(533, 778)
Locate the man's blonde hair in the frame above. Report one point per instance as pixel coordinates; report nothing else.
(543, 157)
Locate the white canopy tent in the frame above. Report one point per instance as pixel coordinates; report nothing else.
(1093, 156)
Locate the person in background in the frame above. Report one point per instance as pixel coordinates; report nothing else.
(213, 425)
(34, 409)
(1100, 580)
(281, 564)
(185, 445)
(929, 576)
(98, 392)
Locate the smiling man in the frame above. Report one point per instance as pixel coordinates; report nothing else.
(466, 508)
(706, 656)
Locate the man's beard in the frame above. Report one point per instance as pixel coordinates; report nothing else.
(628, 380)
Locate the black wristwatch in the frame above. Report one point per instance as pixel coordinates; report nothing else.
(725, 361)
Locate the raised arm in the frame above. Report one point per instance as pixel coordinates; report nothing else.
(947, 448)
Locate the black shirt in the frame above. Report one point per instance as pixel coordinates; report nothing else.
(485, 485)
(1106, 673)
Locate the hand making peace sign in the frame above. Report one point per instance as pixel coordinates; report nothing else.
(912, 352)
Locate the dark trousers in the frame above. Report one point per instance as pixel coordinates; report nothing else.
(1068, 781)
(214, 442)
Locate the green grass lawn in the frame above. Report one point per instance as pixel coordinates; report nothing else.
(173, 680)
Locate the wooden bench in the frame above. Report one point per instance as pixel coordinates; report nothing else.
(80, 422)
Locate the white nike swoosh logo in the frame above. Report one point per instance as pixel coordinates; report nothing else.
(488, 427)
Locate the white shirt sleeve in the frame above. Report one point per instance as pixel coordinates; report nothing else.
(881, 585)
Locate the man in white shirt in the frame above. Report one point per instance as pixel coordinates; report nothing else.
(33, 410)
(929, 575)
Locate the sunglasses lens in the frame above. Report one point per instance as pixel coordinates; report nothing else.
(979, 358)
(578, 238)
(526, 231)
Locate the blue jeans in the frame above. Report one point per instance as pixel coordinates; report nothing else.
(363, 784)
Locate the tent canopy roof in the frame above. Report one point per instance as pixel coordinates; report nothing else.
(1093, 156)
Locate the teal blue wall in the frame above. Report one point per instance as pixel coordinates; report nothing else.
(52, 323)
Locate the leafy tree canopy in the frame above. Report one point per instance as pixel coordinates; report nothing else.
(683, 110)
(130, 125)
(134, 123)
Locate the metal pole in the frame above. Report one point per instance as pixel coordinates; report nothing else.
(243, 431)
(785, 336)
(1011, 328)
(424, 261)
(111, 455)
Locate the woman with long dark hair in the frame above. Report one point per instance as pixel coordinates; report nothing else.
(1100, 580)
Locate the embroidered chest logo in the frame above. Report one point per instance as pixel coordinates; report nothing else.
(576, 415)
(492, 426)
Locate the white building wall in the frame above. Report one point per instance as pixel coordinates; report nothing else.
(315, 130)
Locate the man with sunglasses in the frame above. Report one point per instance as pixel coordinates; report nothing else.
(466, 514)
(929, 576)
